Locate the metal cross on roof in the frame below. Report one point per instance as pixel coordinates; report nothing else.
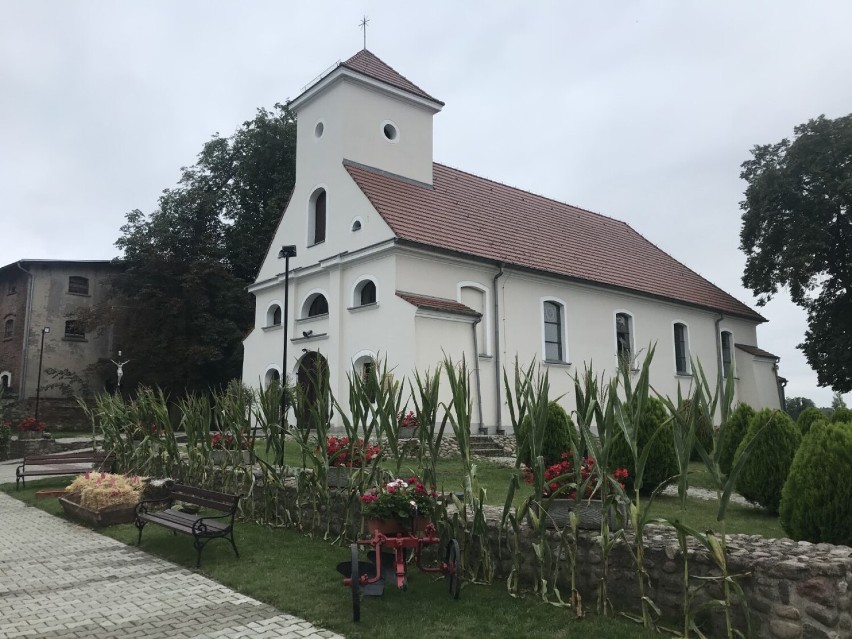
(363, 24)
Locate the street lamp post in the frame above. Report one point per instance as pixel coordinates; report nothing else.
(44, 332)
(287, 251)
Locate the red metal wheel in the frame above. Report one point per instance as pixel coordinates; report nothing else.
(453, 568)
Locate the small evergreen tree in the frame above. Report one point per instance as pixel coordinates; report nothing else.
(732, 434)
(765, 471)
(662, 460)
(558, 436)
(816, 503)
(808, 417)
(841, 415)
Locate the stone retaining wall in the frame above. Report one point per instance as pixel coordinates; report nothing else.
(794, 589)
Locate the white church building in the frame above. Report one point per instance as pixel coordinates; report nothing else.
(401, 258)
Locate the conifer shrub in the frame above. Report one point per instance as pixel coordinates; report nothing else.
(662, 460)
(816, 503)
(732, 434)
(765, 471)
(808, 417)
(703, 431)
(557, 436)
(841, 415)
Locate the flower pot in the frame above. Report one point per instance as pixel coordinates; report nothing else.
(407, 432)
(338, 476)
(387, 527)
(588, 511)
(111, 515)
(230, 457)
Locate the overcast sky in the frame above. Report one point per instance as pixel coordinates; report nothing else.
(643, 111)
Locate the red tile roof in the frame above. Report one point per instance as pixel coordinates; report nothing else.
(478, 217)
(757, 352)
(368, 64)
(437, 304)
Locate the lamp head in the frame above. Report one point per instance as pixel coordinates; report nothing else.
(288, 250)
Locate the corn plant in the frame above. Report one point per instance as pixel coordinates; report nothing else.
(528, 398)
(430, 434)
(708, 404)
(628, 415)
(595, 416)
(313, 406)
(196, 418)
(361, 424)
(474, 531)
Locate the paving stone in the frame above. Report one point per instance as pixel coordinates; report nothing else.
(62, 581)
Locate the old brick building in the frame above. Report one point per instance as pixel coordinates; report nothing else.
(44, 294)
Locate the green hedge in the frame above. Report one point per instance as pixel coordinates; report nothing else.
(816, 503)
(808, 417)
(732, 434)
(662, 460)
(557, 436)
(765, 471)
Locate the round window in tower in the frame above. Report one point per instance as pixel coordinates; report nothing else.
(390, 131)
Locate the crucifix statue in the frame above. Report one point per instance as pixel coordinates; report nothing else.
(119, 370)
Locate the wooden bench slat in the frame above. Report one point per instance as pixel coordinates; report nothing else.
(63, 464)
(178, 521)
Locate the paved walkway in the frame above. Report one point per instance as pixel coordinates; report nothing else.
(61, 580)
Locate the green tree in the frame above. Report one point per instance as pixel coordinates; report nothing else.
(797, 233)
(837, 401)
(179, 302)
(795, 405)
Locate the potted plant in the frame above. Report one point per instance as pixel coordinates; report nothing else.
(226, 448)
(30, 428)
(103, 499)
(345, 454)
(399, 506)
(408, 424)
(562, 482)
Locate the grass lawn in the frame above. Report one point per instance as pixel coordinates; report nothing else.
(297, 574)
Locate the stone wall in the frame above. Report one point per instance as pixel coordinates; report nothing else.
(794, 589)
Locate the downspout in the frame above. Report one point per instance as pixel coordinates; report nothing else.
(720, 376)
(781, 383)
(26, 341)
(498, 381)
(482, 429)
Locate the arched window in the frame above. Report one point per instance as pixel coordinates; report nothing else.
(317, 217)
(272, 375)
(474, 296)
(356, 225)
(316, 305)
(624, 336)
(273, 315)
(5, 380)
(365, 293)
(554, 340)
(8, 327)
(727, 352)
(78, 285)
(681, 347)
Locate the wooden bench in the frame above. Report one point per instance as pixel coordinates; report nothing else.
(203, 528)
(63, 464)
